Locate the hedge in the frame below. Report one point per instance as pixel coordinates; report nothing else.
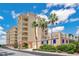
(69, 48)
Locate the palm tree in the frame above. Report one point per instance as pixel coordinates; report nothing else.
(53, 17)
(34, 25)
(43, 25)
(70, 35)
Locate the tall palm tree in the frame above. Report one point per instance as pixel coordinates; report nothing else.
(70, 35)
(53, 17)
(43, 25)
(34, 25)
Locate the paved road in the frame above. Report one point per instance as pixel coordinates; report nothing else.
(11, 52)
(8, 52)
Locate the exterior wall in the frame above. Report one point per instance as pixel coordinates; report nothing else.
(30, 30)
(58, 37)
(29, 37)
(11, 36)
(8, 38)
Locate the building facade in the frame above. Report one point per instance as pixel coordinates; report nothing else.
(8, 38)
(57, 38)
(26, 33)
(12, 36)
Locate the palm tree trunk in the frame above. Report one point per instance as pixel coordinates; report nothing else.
(36, 39)
(43, 32)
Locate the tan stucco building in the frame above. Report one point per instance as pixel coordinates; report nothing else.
(8, 38)
(26, 33)
(11, 36)
(58, 38)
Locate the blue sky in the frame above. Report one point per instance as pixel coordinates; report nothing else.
(68, 15)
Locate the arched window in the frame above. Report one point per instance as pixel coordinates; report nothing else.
(54, 41)
(62, 40)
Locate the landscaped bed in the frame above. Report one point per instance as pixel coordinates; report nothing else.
(70, 48)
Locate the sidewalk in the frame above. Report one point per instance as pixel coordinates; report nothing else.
(53, 53)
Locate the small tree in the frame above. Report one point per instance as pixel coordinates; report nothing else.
(25, 45)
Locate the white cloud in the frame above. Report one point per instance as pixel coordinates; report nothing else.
(56, 29)
(2, 32)
(2, 36)
(14, 14)
(63, 14)
(53, 4)
(74, 19)
(77, 32)
(1, 17)
(45, 11)
(48, 5)
(70, 5)
(43, 16)
(62, 4)
(1, 28)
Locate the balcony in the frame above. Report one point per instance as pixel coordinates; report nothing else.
(25, 29)
(25, 26)
(24, 33)
(24, 38)
(25, 19)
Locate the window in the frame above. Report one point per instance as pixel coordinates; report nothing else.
(54, 41)
(44, 42)
(66, 41)
(47, 41)
(25, 19)
(62, 40)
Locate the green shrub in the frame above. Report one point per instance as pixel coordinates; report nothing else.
(49, 48)
(70, 51)
(25, 45)
(77, 46)
(71, 47)
(62, 47)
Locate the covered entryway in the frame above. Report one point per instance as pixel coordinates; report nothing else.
(30, 44)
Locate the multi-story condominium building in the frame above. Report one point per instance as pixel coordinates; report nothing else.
(57, 38)
(26, 33)
(8, 38)
(12, 36)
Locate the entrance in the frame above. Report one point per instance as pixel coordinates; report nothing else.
(30, 44)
